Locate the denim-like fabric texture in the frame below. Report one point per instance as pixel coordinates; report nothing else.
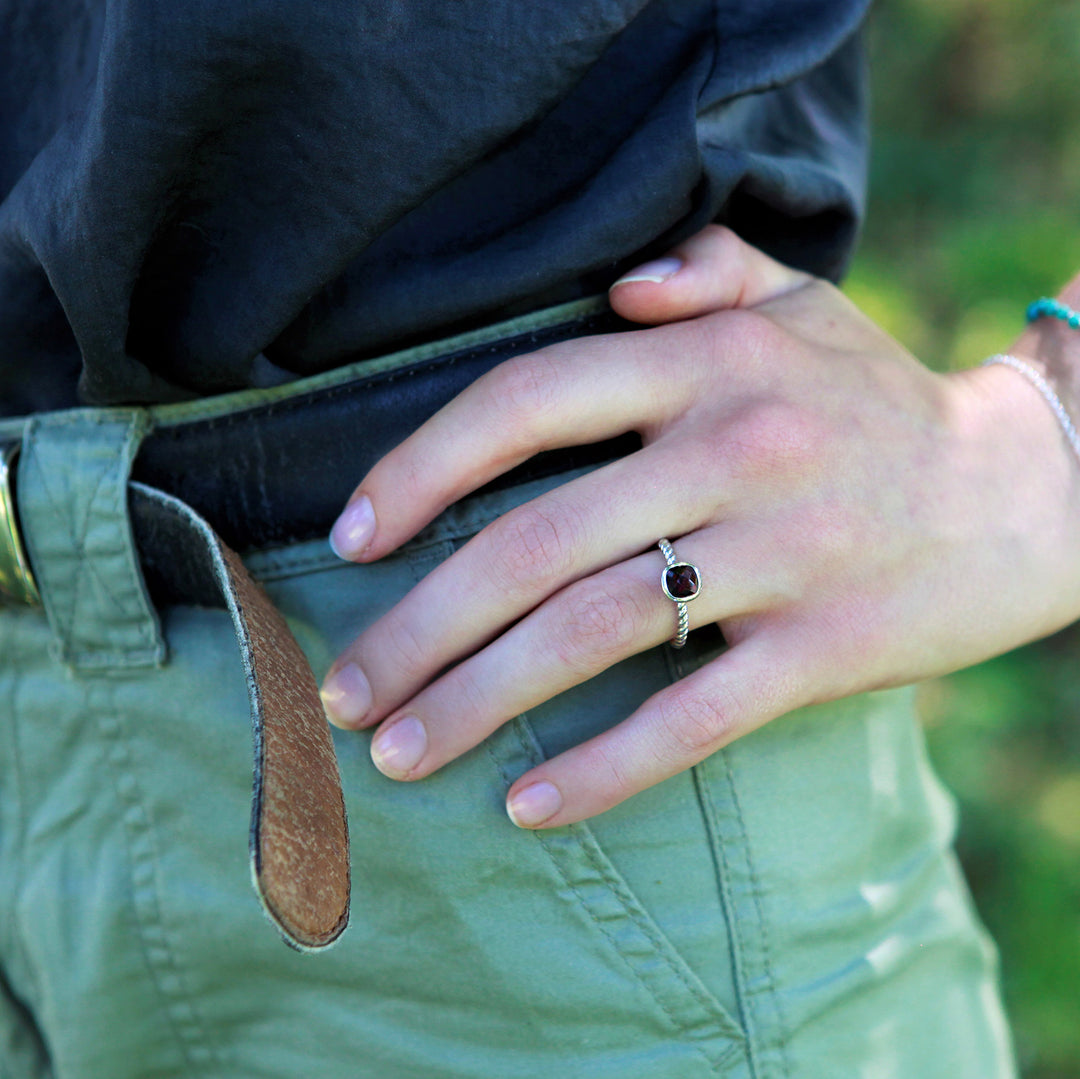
(197, 196)
(788, 908)
(73, 507)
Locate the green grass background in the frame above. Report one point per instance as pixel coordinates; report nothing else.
(975, 211)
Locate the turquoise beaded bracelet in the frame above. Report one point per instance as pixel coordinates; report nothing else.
(1048, 308)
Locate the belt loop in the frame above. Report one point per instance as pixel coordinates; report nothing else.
(72, 493)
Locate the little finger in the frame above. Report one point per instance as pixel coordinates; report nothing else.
(672, 731)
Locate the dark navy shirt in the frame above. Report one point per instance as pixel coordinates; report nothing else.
(199, 195)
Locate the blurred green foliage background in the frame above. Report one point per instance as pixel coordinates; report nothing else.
(975, 211)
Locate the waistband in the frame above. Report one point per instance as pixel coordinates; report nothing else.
(275, 466)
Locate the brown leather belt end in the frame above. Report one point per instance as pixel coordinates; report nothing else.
(299, 842)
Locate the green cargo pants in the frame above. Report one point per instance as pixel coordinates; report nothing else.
(789, 907)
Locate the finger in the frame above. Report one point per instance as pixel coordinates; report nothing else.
(672, 731)
(712, 271)
(510, 567)
(584, 629)
(567, 394)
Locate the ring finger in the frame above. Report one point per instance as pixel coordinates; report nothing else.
(579, 632)
(510, 567)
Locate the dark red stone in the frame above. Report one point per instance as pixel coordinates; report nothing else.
(682, 581)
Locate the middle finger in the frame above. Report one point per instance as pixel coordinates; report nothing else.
(511, 566)
(581, 631)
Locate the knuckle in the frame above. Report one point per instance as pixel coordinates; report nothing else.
(775, 439)
(524, 391)
(410, 473)
(469, 691)
(748, 335)
(734, 344)
(696, 724)
(404, 647)
(609, 770)
(728, 244)
(415, 471)
(533, 547)
(601, 626)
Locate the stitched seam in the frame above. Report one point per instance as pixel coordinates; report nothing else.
(71, 647)
(16, 790)
(147, 628)
(85, 568)
(659, 944)
(723, 874)
(714, 1061)
(66, 621)
(93, 659)
(532, 340)
(584, 904)
(183, 1017)
(17, 941)
(248, 415)
(711, 1060)
(269, 570)
(766, 950)
(116, 510)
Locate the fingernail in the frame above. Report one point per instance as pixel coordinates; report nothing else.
(353, 530)
(534, 804)
(657, 272)
(397, 749)
(346, 696)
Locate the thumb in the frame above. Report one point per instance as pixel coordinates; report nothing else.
(711, 271)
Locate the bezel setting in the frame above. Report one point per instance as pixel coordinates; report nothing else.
(679, 576)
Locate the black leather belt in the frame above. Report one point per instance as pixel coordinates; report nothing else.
(281, 472)
(213, 478)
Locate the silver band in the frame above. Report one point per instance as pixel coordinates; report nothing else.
(1040, 383)
(681, 582)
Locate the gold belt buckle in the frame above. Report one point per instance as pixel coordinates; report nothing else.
(16, 578)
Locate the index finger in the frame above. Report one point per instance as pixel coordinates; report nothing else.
(567, 394)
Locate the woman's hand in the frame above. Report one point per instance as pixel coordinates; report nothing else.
(858, 521)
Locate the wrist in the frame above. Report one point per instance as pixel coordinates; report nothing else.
(1025, 477)
(1052, 347)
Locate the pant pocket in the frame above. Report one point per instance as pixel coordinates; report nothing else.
(629, 936)
(640, 881)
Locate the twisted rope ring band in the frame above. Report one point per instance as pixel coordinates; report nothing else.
(681, 583)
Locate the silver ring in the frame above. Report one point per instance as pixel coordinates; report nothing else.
(681, 583)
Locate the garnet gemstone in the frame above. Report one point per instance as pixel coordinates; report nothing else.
(681, 581)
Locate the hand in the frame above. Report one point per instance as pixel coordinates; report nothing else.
(858, 520)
